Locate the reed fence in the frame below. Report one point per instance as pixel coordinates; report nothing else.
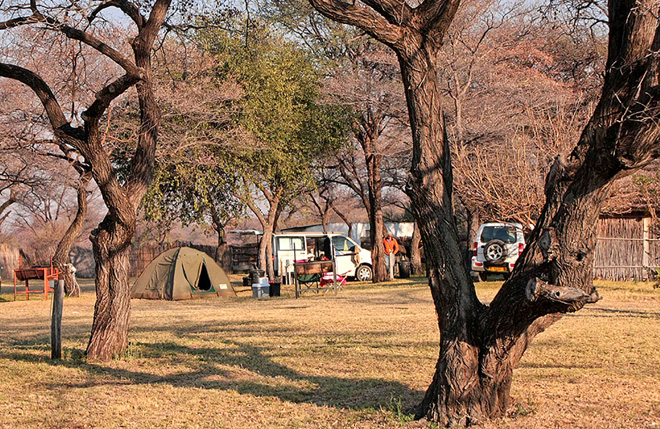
(628, 248)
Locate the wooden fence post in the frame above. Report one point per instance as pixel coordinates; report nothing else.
(646, 248)
(56, 322)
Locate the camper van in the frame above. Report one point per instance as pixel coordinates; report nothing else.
(350, 258)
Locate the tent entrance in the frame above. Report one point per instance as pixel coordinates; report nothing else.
(204, 283)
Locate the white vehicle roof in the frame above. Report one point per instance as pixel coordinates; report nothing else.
(310, 234)
(514, 224)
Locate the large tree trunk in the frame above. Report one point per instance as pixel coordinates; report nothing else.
(61, 256)
(451, 395)
(222, 256)
(368, 140)
(472, 226)
(324, 217)
(415, 251)
(376, 234)
(266, 249)
(112, 312)
(266, 244)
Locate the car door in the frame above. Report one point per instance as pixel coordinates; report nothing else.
(344, 251)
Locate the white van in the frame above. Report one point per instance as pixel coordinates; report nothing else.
(351, 259)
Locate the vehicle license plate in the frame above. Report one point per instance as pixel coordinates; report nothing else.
(503, 269)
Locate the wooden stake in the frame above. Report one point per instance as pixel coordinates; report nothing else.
(56, 322)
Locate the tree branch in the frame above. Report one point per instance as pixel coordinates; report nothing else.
(128, 8)
(433, 17)
(15, 22)
(394, 11)
(105, 96)
(76, 34)
(366, 19)
(539, 291)
(41, 90)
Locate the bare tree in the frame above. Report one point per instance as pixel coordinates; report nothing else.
(518, 94)
(16, 175)
(369, 82)
(481, 344)
(111, 240)
(45, 198)
(61, 255)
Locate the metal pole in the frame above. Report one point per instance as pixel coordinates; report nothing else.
(334, 276)
(56, 322)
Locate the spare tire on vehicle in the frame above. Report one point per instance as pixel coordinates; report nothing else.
(494, 251)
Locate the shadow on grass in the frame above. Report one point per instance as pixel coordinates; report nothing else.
(631, 313)
(602, 312)
(216, 368)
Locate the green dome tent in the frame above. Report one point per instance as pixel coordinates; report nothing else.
(182, 273)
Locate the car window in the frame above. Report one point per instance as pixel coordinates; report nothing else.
(505, 233)
(288, 243)
(342, 244)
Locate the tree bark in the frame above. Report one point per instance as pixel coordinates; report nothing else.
(451, 399)
(415, 252)
(264, 248)
(324, 211)
(61, 256)
(376, 230)
(112, 312)
(222, 256)
(222, 250)
(367, 135)
(473, 221)
(376, 234)
(4, 206)
(324, 218)
(266, 244)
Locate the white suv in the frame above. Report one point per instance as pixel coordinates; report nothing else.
(496, 249)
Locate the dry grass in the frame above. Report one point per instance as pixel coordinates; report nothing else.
(359, 359)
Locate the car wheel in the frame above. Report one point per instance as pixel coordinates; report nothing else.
(364, 273)
(495, 251)
(483, 277)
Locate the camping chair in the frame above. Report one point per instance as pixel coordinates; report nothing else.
(327, 279)
(309, 275)
(310, 281)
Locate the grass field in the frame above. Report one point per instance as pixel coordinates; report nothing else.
(360, 359)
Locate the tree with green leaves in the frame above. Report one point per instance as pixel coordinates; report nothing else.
(286, 129)
(194, 192)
